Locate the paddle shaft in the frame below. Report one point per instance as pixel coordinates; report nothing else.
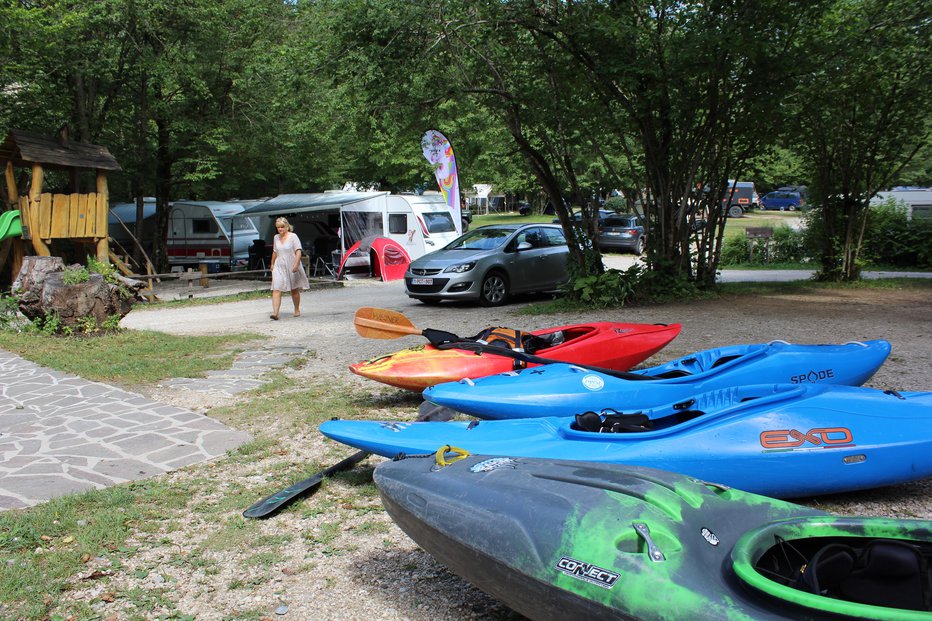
(480, 348)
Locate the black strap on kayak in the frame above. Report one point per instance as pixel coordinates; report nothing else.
(525, 357)
(440, 337)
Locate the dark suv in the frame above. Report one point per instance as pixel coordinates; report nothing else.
(622, 232)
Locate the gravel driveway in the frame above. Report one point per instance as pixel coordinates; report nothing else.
(384, 575)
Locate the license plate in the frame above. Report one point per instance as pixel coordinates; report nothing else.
(422, 281)
(612, 233)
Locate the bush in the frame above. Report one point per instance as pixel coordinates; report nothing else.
(10, 320)
(893, 239)
(608, 289)
(786, 246)
(616, 203)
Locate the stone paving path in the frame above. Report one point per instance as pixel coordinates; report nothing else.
(60, 434)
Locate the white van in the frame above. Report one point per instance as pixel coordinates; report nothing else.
(207, 232)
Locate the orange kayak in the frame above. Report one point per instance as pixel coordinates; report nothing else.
(617, 346)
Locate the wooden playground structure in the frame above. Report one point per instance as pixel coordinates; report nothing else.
(80, 218)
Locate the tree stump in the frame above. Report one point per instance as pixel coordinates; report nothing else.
(41, 291)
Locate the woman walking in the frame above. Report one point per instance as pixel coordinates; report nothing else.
(287, 270)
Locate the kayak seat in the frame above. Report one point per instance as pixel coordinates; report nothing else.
(698, 367)
(889, 573)
(612, 422)
(724, 359)
(672, 374)
(886, 573)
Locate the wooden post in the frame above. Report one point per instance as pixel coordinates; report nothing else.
(100, 231)
(11, 189)
(35, 196)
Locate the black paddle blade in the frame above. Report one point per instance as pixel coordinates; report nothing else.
(268, 506)
(431, 412)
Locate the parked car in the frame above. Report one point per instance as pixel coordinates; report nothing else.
(603, 213)
(622, 232)
(781, 200)
(491, 263)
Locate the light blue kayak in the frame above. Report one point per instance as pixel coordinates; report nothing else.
(565, 390)
(778, 440)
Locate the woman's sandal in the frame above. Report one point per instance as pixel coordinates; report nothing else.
(275, 317)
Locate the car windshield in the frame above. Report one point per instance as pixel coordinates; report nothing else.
(481, 239)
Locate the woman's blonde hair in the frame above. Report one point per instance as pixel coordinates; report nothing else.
(283, 222)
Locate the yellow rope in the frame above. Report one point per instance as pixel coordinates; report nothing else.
(441, 459)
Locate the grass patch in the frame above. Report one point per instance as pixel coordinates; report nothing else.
(129, 357)
(41, 548)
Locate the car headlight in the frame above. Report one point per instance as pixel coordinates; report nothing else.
(461, 267)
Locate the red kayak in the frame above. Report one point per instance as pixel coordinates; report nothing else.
(617, 346)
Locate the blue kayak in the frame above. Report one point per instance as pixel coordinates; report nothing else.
(564, 389)
(778, 440)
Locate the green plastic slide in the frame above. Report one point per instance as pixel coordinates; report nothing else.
(10, 225)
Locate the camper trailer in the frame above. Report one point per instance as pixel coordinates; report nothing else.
(333, 225)
(916, 202)
(198, 232)
(207, 232)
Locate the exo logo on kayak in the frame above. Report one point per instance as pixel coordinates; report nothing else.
(594, 574)
(826, 437)
(813, 376)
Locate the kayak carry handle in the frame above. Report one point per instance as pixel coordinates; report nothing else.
(652, 550)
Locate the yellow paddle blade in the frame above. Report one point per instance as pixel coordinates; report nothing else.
(381, 323)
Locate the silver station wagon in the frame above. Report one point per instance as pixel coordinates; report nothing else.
(491, 263)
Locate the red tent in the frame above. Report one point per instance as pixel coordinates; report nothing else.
(386, 258)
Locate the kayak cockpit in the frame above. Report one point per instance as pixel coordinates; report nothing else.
(859, 567)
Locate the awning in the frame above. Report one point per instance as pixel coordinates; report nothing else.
(284, 204)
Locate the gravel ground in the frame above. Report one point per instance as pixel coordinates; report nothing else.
(344, 558)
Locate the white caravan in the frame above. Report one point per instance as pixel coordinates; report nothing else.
(207, 232)
(330, 223)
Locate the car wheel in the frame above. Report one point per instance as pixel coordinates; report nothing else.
(735, 212)
(791, 208)
(494, 290)
(639, 247)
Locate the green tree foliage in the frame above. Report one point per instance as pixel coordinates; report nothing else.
(862, 114)
(665, 100)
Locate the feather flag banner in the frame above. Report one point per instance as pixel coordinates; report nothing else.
(439, 153)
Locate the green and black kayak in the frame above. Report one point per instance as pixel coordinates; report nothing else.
(580, 540)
